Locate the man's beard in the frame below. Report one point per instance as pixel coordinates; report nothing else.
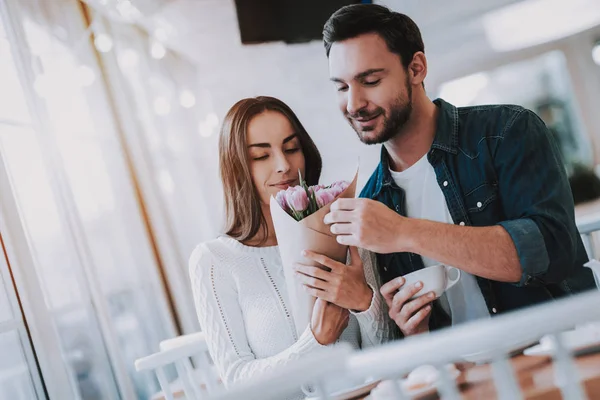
(392, 124)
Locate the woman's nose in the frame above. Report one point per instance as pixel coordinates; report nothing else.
(283, 165)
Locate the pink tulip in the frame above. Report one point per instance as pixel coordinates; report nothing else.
(315, 188)
(281, 199)
(342, 185)
(324, 197)
(338, 187)
(296, 198)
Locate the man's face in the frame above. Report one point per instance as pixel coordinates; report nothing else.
(374, 92)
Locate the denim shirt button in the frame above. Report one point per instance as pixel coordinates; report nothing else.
(462, 223)
(397, 208)
(494, 310)
(445, 183)
(479, 204)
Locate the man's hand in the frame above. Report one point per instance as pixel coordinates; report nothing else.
(366, 223)
(411, 316)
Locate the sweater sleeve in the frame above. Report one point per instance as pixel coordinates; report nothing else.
(220, 316)
(375, 325)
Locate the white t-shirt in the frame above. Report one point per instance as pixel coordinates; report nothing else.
(425, 200)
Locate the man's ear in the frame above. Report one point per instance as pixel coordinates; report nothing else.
(418, 68)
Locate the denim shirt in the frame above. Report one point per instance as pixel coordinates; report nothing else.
(497, 165)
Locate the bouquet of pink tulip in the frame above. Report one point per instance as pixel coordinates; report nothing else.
(298, 214)
(302, 200)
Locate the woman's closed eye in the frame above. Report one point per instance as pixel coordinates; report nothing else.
(292, 150)
(259, 158)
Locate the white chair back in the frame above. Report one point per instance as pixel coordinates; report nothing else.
(496, 336)
(197, 382)
(594, 265)
(314, 369)
(587, 227)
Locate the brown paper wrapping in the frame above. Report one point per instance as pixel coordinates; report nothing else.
(308, 234)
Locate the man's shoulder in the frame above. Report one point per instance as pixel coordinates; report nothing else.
(368, 191)
(490, 109)
(492, 120)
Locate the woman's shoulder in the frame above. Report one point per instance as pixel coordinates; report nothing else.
(210, 269)
(221, 251)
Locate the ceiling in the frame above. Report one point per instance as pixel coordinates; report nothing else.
(453, 32)
(189, 22)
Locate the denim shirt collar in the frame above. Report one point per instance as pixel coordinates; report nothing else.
(446, 139)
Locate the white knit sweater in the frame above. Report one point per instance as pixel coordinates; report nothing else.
(243, 307)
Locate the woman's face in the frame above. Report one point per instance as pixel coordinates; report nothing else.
(275, 154)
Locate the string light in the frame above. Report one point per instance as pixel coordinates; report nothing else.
(103, 42)
(208, 126)
(157, 50)
(128, 58)
(45, 84)
(187, 98)
(205, 129)
(212, 120)
(161, 34)
(128, 11)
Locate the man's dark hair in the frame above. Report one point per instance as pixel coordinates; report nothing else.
(400, 33)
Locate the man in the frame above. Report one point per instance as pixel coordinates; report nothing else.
(479, 188)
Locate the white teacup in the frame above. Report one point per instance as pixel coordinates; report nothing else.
(437, 279)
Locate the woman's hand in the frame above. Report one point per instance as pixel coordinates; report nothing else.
(328, 321)
(344, 285)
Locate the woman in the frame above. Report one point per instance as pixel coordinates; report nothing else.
(238, 283)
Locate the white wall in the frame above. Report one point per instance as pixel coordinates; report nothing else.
(298, 74)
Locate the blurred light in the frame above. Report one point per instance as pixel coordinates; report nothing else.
(161, 34)
(128, 58)
(165, 181)
(162, 106)
(596, 53)
(103, 42)
(85, 75)
(187, 98)
(206, 130)
(464, 90)
(212, 120)
(127, 10)
(533, 22)
(157, 50)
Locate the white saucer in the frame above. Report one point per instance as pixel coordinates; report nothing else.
(345, 394)
(578, 341)
(486, 356)
(426, 390)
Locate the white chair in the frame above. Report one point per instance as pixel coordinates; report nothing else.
(588, 228)
(195, 343)
(193, 383)
(594, 265)
(313, 369)
(496, 336)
